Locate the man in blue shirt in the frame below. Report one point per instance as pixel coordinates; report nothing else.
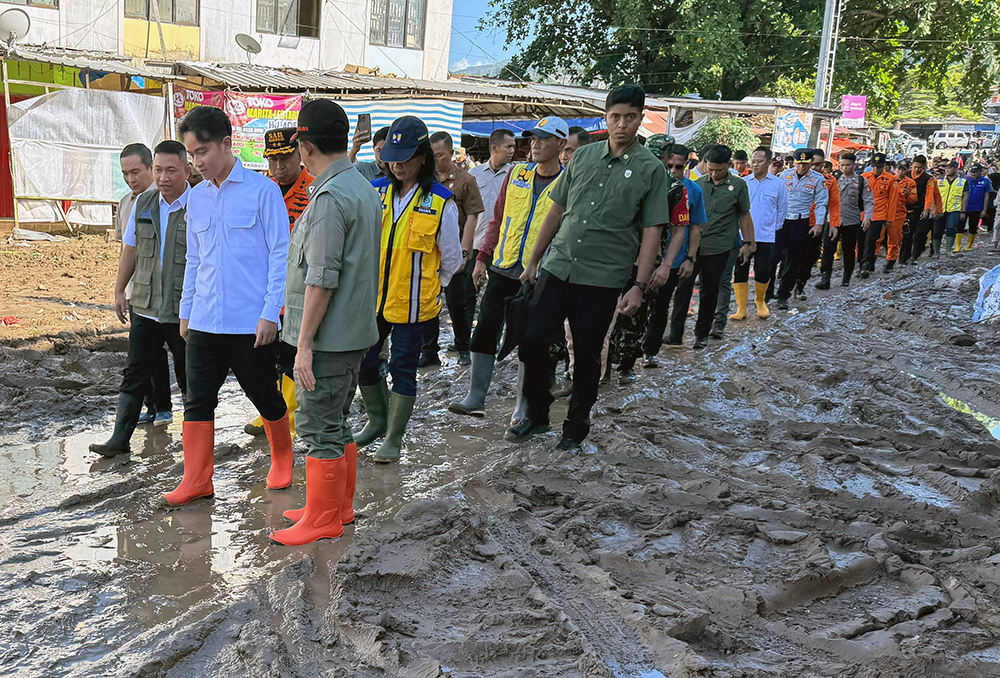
(979, 190)
(806, 190)
(679, 281)
(768, 206)
(234, 289)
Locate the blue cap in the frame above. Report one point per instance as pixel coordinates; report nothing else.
(551, 126)
(405, 134)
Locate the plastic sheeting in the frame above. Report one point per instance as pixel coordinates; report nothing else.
(987, 306)
(65, 145)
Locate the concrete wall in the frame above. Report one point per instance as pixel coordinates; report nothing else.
(101, 25)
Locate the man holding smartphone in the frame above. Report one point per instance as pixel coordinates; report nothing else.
(370, 169)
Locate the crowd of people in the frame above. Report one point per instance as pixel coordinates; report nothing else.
(326, 277)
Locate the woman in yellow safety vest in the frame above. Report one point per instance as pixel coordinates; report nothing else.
(420, 251)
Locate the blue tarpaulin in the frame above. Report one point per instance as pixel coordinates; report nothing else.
(484, 129)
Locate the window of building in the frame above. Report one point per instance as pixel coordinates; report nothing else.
(171, 11)
(398, 23)
(33, 3)
(289, 17)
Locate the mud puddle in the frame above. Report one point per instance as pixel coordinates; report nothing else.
(797, 500)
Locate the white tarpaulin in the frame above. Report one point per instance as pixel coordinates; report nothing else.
(65, 145)
(987, 306)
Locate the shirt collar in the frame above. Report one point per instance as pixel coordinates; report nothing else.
(181, 202)
(625, 156)
(235, 174)
(335, 168)
(502, 170)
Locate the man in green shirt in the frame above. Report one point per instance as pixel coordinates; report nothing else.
(727, 205)
(608, 201)
(331, 292)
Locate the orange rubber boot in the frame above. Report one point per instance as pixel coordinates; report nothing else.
(199, 463)
(282, 458)
(325, 480)
(347, 512)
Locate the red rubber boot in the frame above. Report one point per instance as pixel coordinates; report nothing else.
(282, 458)
(325, 482)
(347, 509)
(199, 463)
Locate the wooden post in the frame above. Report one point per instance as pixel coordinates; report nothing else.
(6, 103)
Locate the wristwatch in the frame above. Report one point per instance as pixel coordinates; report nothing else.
(643, 287)
(691, 259)
(747, 242)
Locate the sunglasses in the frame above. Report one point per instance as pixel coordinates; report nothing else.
(677, 166)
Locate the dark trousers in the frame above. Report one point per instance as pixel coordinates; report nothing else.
(460, 295)
(590, 311)
(919, 233)
(991, 215)
(147, 360)
(971, 220)
(910, 229)
(659, 306)
(847, 235)
(725, 292)
(404, 353)
(625, 345)
(811, 254)
(795, 234)
(871, 244)
(486, 338)
(761, 265)
(711, 267)
(210, 357)
(779, 255)
(946, 224)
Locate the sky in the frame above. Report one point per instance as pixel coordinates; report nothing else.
(470, 44)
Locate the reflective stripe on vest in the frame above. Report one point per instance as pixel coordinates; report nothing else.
(523, 215)
(951, 194)
(409, 259)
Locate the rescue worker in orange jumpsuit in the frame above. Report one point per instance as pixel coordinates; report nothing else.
(284, 164)
(831, 228)
(881, 182)
(902, 195)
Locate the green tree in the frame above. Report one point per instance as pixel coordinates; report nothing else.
(733, 132)
(733, 48)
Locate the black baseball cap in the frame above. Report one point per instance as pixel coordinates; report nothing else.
(878, 158)
(322, 118)
(279, 141)
(405, 135)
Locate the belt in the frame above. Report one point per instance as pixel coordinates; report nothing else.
(796, 217)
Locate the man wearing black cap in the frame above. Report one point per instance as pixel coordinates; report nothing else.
(331, 293)
(918, 219)
(610, 202)
(420, 251)
(284, 164)
(881, 183)
(807, 198)
(979, 191)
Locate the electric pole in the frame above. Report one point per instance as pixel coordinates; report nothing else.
(825, 64)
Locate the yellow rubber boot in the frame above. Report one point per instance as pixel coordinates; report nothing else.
(288, 393)
(968, 241)
(741, 290)
(255, 427)
(761, 294)
(958, 243)
(840, 249)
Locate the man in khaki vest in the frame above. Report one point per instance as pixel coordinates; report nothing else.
(154, 247)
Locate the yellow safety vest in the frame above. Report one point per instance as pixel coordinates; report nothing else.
(951, 193)
(523, 215)
(409, 286)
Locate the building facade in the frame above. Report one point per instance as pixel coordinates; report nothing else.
(409, 38)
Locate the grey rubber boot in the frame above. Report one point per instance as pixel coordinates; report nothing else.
(949, 240)
(376, 400)
(520, 402)
(481, 375)
(400, 409)
(126, 419)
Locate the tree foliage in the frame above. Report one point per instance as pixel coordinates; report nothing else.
(733, 48)
(733, 132)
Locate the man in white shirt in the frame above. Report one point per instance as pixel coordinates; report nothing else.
(490, 177)
(154, 243)
(234, 288)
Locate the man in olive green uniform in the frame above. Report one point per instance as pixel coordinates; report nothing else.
(330, 297)
(154, 245)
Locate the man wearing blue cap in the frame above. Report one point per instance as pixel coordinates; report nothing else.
(420, 251)
(518, 213)
(610, 202)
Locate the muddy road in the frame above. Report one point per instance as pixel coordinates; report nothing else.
(816, 495)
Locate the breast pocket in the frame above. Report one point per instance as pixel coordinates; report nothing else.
(145, 246)
(421, 232)
(200, 230)
(240, 231)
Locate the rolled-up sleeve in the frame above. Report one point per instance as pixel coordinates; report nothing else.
(274, 220)
(655, 211)
(128, 236)
(324, 242)
(449, 242)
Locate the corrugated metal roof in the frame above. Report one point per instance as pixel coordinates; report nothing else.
(83, 60)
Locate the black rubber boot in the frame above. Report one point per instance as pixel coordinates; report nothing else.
(824, 282)
(126, 419)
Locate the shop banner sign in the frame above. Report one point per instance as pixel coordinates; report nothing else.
(791, 130)
(185, 99)
(252, 116)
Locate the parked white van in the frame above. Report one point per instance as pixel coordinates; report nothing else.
(950, 139)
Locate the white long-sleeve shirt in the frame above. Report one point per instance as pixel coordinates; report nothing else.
(237, 245)
(448, 239)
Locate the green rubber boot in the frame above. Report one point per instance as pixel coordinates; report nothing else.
(376, 400)
(400, 409)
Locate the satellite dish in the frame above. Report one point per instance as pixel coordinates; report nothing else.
(14, 24)
(245, 42)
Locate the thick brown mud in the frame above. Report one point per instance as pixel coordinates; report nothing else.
(816, 495)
